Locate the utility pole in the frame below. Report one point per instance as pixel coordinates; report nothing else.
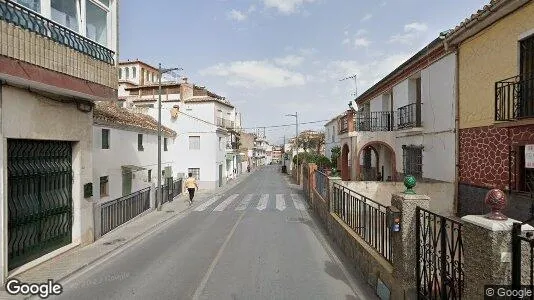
(159, 194)
(355, 77)
(296, 115)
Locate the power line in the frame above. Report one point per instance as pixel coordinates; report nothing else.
(286, 125)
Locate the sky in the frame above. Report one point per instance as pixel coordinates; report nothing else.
(270, 58)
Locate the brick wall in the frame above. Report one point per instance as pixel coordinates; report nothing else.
(21, 44)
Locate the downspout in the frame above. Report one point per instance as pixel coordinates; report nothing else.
(456, 126)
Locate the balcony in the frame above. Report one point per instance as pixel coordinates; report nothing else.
(409, 116)
(22, 17)
(344, 124)
(374, 121)
(514, 98)
(221, 122)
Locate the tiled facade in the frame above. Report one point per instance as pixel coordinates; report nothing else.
(23, 45)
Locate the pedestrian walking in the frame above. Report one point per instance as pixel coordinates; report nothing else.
(191, 185)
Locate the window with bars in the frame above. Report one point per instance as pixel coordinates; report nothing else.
(104, 186)
(105, 138)
(165, 144)
(149, 175)
(195, 172)
(527, 56)
(412, 157)
(194, 142)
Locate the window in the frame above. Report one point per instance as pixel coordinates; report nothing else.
(333, 133)
(127, 73)
(527, 56)
(65, 12)
(153, 78)
(120, 73)
(34, 5)
(134, 72)
(140, 142)
(97, 23)
(104, 186)
(194, 143)
(105, 138)
(149, 175)
(525, 177)
(164, 144)
(195, 172)
(220, 143)
(413, 160)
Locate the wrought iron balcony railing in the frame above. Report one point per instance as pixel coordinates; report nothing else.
(374, 121)
(221, 122)
(514, 98)
(409, 116)
(19, 15)
(343, 124)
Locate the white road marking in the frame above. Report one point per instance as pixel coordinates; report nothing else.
(226, 202)
(244, 204)
(280, 202)
(299, 205)
(263, 202)
(206, 204)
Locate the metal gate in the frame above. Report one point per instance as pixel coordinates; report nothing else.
(439, 256)
(522, 257)
(39, 198)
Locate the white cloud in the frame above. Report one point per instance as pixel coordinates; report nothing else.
(366, 17)
(411, 32)
(420, 27)
(251, 9)
(285, 6)
(383, 4)
(289, 61)
(361, 32)
(308, 51)
(255, 74)
(237, 15)
(361, 42)
(345, 41)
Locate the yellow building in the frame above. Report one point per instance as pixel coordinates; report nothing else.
(495, 83)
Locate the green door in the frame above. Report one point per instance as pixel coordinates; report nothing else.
(126, 181)
(39, 198)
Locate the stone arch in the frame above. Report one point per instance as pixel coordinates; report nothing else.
(345, 172)
(391, 152)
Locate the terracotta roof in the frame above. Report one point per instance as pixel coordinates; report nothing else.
(137, 61)
(208, 99)
(486, 8)
(110, 113)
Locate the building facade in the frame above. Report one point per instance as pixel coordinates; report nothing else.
(50, 77)
(331, 136)
(125, 152)
(496, 105)
(405, 124)
(208, 127)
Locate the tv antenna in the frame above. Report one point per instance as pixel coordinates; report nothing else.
(355, 77)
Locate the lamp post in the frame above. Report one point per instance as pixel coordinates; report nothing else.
(296, 115)
(161, 71)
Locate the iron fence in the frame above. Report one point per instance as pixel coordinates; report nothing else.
(321, 184)
(23, 17)
(177, 187)
(409, 116)
(119, 211)
(514, 98)
(522, 257)
(365, 216)
(439, 254)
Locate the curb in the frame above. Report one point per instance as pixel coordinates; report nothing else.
(145, 233)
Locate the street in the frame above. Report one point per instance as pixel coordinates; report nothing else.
(255, 241)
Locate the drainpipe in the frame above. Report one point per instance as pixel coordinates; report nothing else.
(456, 128)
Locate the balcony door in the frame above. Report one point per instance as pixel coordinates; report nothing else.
(526, 87)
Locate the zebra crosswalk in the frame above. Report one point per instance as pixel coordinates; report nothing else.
(258, 202)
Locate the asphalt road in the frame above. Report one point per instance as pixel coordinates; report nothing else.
(254, 242)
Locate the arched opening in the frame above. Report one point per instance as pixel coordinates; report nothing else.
(345, 172)
(376, 162)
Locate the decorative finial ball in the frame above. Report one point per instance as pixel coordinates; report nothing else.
(496, 200)
(409, 182)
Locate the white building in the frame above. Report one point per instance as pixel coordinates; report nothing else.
(207, 127)
(259, 156)
(331, 136)
(125, 151)
(405, 125)
(46, 113)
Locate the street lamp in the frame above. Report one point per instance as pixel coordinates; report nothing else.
(296, 115)
(160, 190)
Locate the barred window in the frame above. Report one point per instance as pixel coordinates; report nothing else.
(165, 144)
(195, 172)
(104, 186)
(140, 142)
(105, 138)
(412, 160)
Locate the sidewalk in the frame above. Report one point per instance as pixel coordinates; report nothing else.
(67, 264)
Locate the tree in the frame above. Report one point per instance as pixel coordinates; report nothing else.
(336, 153)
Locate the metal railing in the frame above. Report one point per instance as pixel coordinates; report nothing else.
(177, 187)
(439, 254)
(409, 116)
(514, 98)
(321, 184)
(374, 121)
(369, 219)
(344, 124)
(221, 122)
(119, 211)
(23, 17)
